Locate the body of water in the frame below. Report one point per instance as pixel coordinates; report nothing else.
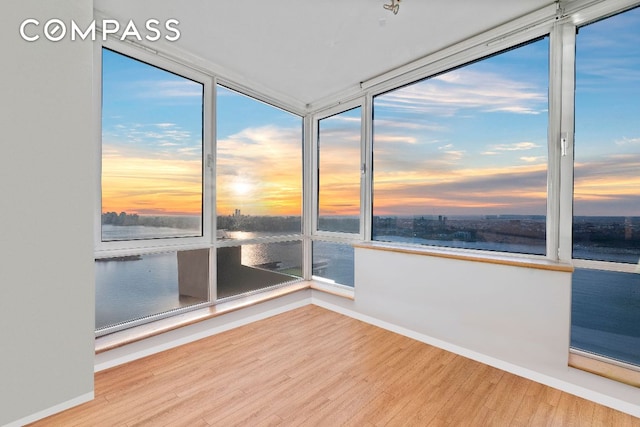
(605, 314)
(134, 288)
(112, 232)
(605, 305)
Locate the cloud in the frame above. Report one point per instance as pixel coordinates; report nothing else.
(517, 146)
(151, 140)
(267, 161)
(412, 125)
(514, 190)
(144, 185)
(532, 159)
(466, 89)
(628, 141)
(170, 89)
(395, 139)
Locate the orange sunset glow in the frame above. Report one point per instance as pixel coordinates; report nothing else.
(259, 171)
(151, 186)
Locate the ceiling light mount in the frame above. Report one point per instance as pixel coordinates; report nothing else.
(393, 7)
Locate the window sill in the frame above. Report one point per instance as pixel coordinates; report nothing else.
(490, 258)
(612, 370)
(147, 330)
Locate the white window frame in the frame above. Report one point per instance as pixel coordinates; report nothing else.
(461, 59)
(585, 17)
(146, 246)
(331, 112)
(280, 238)
(284, 237)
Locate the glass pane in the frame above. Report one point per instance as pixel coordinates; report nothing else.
(247, 268)
(151, 151)
(133, 287)
(259, 167)
(460, 159)
(607, 141)
(339, 172)
(333, 262)
(605, 314)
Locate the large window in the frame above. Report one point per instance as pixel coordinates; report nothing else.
(460, 159)
(152, 190)
(606, 225)
(339, 166)
(339, 171)
(152, 149)
(258, 194)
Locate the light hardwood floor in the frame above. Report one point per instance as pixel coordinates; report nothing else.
(314, 367)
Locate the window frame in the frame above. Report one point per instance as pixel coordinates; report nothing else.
(550, 30)
(315, 167)
(587, 17)
(218, 243)
(108, 249)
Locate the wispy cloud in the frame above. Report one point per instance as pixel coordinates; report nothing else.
(532, 159)
(516, 146)
(151, 140)
(133, 183)
(628, 141)
(515, 190)
(466, 89)
(169, 89)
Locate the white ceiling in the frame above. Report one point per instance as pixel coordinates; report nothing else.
(306, 50)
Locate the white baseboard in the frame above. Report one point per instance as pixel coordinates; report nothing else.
(560, 384)
(52, 410)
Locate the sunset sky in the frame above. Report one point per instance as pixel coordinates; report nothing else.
(339, 164)
(607, 164)
(151, 139)
(470, 141)
(259, 157)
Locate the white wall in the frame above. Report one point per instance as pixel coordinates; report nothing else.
(514, 318)
(46, 211)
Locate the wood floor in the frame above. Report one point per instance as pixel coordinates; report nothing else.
(314, 367)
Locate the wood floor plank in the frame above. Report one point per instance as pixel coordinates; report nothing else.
(311, 366)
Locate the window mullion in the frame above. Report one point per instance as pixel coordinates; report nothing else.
(309, 193)
(567, 128)
(554, 142)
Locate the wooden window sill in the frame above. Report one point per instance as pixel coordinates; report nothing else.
(501, 259)
(612, 370)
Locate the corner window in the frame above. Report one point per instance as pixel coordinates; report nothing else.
(460, 159)
(259, 168)
(258, 194)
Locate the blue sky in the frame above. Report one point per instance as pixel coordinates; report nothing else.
(151, 139)
(607, 140)
(469, 141)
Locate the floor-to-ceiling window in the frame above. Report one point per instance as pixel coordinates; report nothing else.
(152, 198)
(339, 171)
(258, 194)
(606, 221)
